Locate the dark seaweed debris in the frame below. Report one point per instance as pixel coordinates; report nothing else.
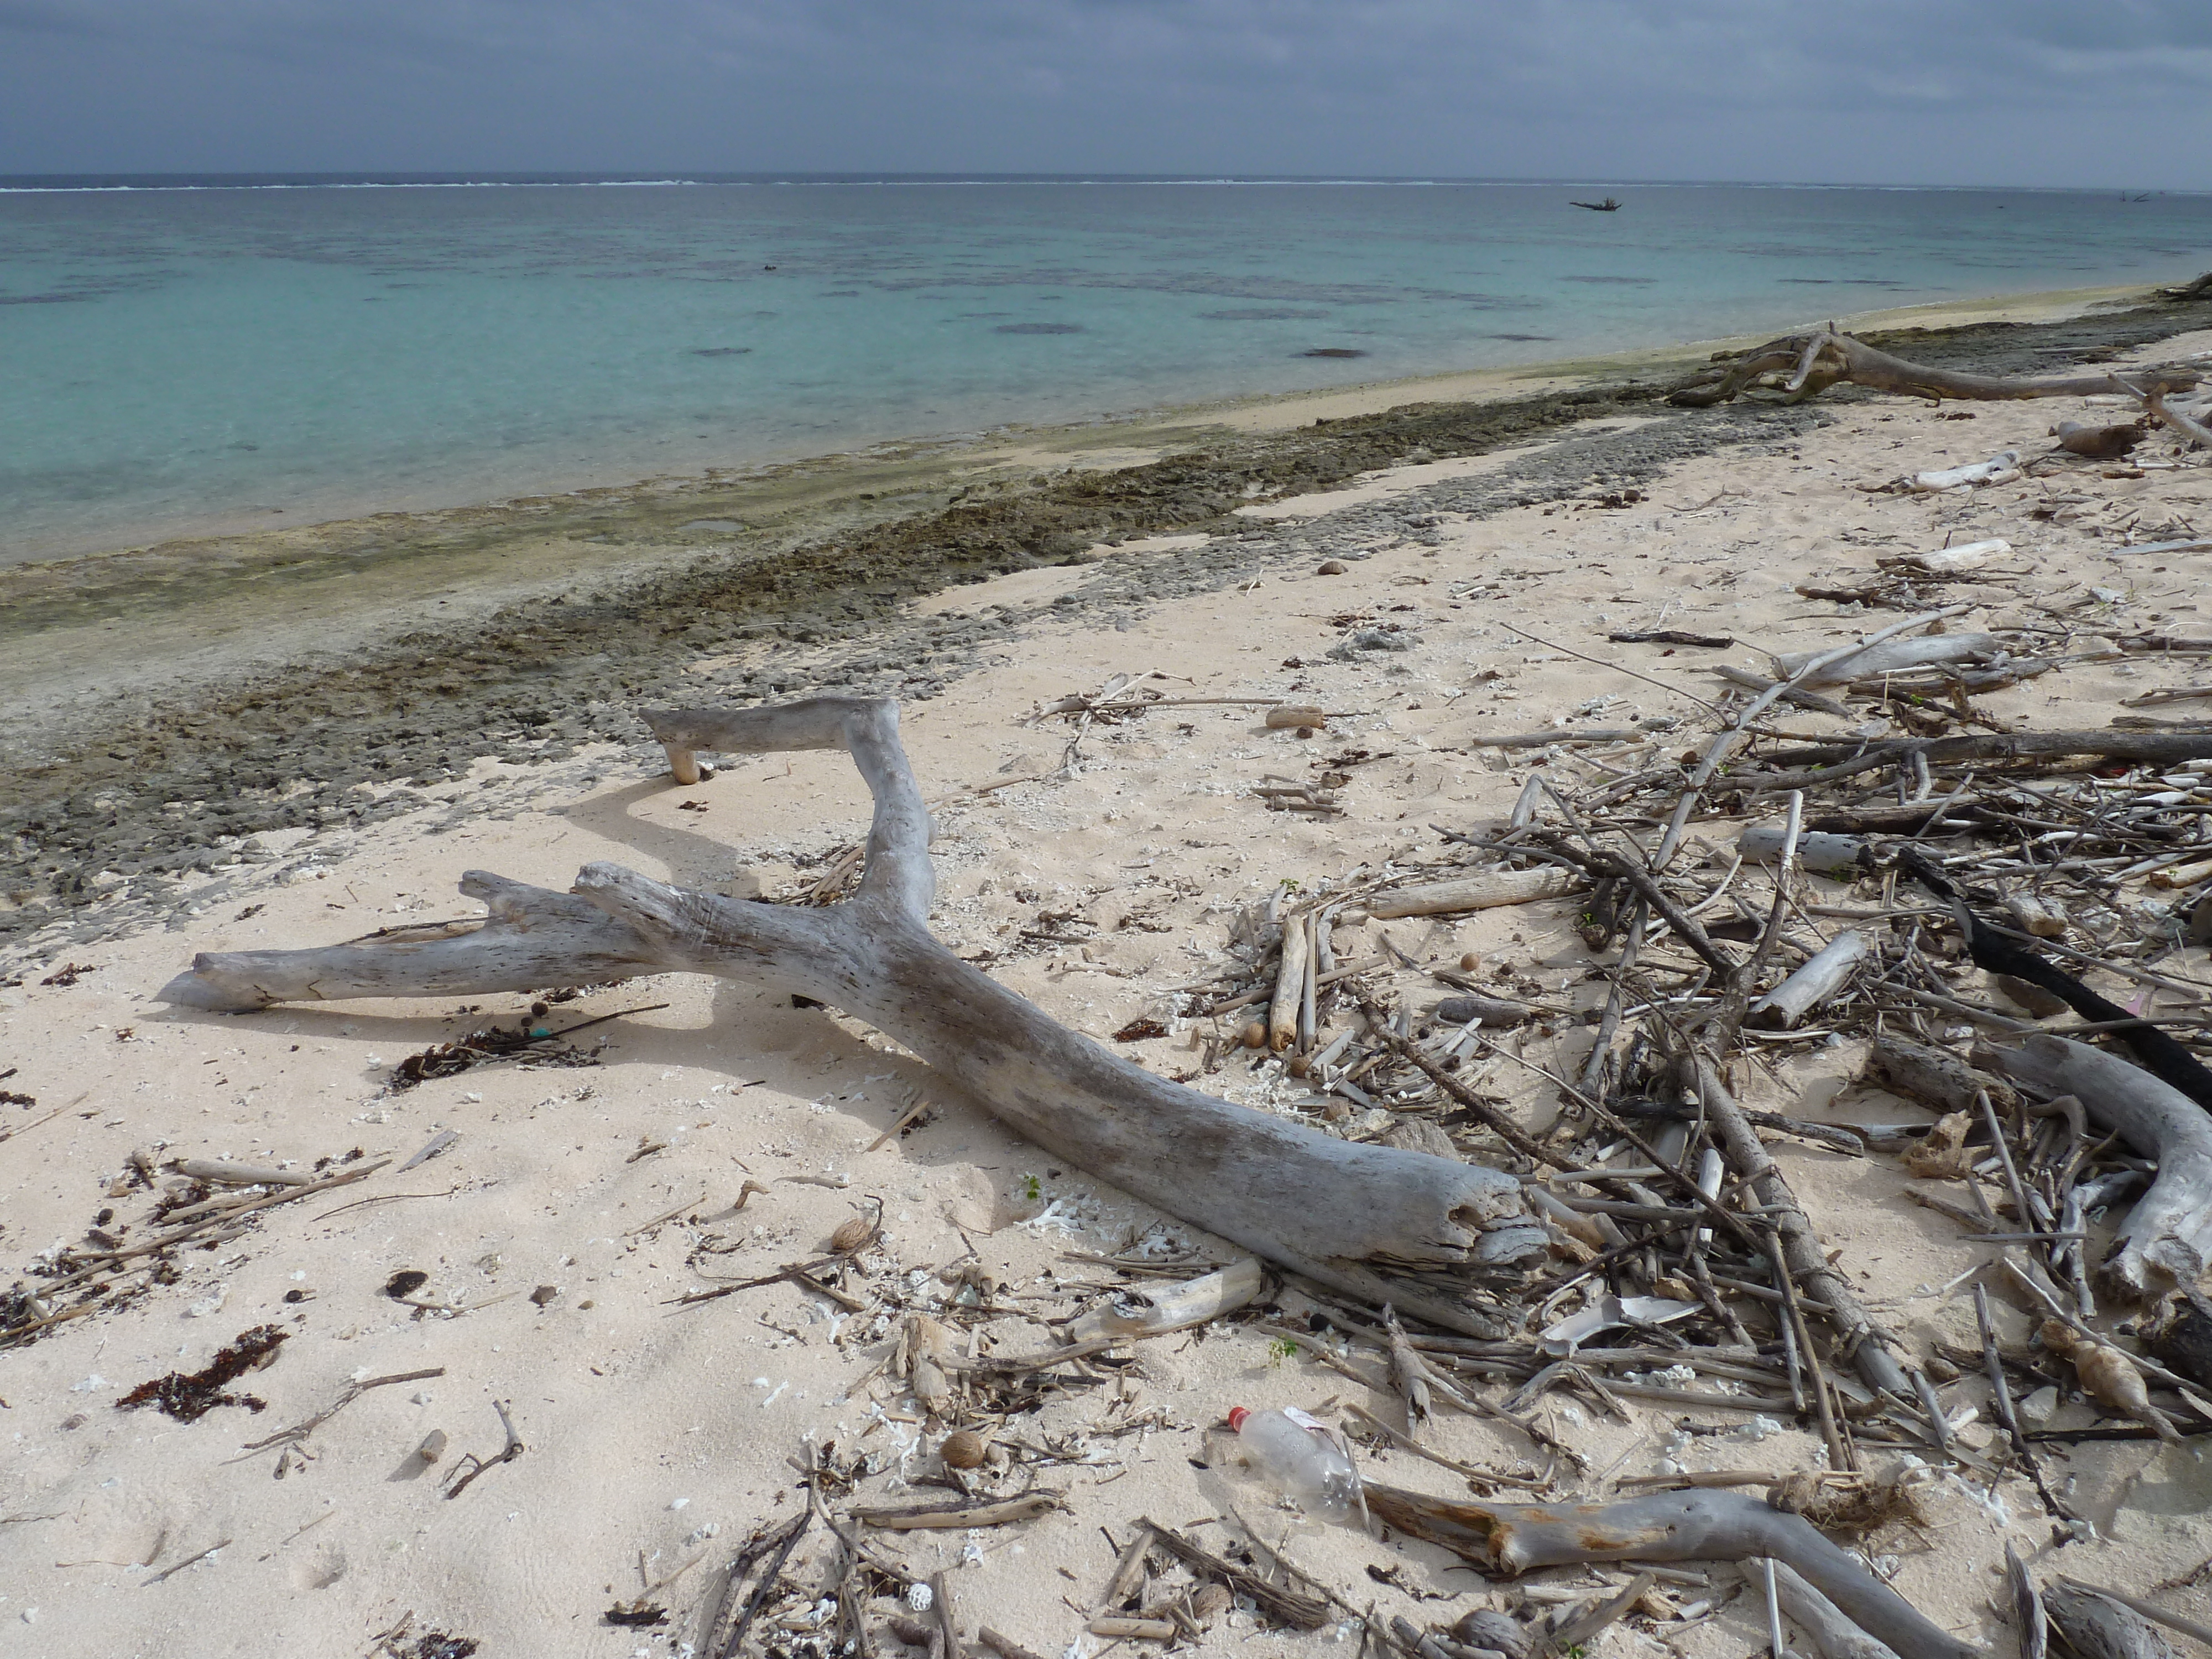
(188, 1399)
(639, 1613)
(451, 1059)
(437, 1644)
(69, 973)
(405, 1282)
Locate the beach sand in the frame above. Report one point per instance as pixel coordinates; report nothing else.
(573, 1206)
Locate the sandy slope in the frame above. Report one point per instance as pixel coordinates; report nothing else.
(658, 1434)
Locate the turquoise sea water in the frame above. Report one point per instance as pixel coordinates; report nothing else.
(243, 353)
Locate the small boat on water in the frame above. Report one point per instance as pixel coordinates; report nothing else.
(1611, 204)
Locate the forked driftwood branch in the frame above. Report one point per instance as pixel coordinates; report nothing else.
(1371, 1221)
(1818, 360)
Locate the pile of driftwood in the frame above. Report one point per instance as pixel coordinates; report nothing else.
(1645, 1246)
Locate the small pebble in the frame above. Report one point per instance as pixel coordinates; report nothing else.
(1331, 568)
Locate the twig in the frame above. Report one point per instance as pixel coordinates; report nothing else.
(513, 1449)
(1993, 1365)
(189, 1560)
(298, 1433)
(1672, 691)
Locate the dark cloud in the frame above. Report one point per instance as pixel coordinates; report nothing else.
(1948, 91)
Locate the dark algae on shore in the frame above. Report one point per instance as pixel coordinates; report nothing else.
(164, 788)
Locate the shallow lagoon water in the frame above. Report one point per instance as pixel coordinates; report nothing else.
(242, 354)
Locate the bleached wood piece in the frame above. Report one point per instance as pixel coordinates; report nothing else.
(2167, 1236)
(1154, 1310)
(1816, 850)
(1944, 560)
(1289, 985)
(1998, 469)
(221, 1172)
(1510, 1539)
(1485, 892)
(1820, 978)
(1374, 1222)
(1891, 657)
(1835, 1636)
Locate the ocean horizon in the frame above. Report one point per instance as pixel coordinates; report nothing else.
(201, 353)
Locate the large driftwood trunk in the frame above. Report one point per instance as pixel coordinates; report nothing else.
(1819, 360)
(1375, 1222)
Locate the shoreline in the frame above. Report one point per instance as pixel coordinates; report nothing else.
(240, 686)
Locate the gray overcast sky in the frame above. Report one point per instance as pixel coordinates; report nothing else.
(2097, 93)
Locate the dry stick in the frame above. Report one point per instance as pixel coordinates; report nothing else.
(1506, 1129)
(108, 1260)
(1993, 1365)
(1601, 863)
(2011, 1173)
(789, 1271)
(920, 1106)
(189, 1561)
(1839, 1455)
(513, 1449)
(1834, 762)
(1863, 1342)
(298, 1433)
(1616, 1000)
(1721, 1213)
(1006, 1646)
(948, 1624)
(1672, 691)
(26, 1128)
(958, 1517)
(1472, 1404)
(1407, 1442)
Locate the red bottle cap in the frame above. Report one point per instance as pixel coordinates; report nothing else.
(1236, 1416)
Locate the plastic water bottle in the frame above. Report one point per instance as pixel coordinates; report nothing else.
(1294, 1450)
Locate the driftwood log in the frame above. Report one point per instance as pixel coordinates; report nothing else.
(1371, 1221)
(1508, 1539)
(2168, 1236)
(1818, 360)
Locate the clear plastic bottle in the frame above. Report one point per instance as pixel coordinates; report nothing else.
(1294, 1451)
